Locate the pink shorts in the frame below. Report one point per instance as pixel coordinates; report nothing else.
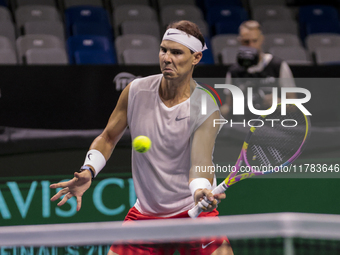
(203, 246)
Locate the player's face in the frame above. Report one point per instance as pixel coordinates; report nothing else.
(176, 60)
(252, 38)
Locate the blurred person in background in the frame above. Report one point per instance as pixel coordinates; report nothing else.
(256, 69)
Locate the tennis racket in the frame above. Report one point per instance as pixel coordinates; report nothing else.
(273, 143)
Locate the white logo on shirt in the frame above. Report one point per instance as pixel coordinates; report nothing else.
(205, 246)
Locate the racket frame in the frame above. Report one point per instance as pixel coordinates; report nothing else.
(232, 178)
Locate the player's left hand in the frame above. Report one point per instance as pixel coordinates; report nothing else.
(214, 199)
(73, 188)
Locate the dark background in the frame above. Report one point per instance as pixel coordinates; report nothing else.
(83, 97)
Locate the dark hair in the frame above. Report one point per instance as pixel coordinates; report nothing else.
(188, 27)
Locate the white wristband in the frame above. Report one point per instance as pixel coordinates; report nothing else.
(95, 159)
(199, 183)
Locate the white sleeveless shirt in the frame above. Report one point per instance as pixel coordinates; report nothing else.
(161, 175)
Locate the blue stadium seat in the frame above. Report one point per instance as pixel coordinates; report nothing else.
(227, 27)
(231, 13)
(92, 28)
(205, 5)
(93, 57)
(85, 14)
(200, 4)
(208, 58)
(316, 13)
(96, 44)
(210, 3)
(318, 27)
(227, 13)
(71, 3)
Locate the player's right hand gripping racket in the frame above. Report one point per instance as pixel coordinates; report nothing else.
(273, 143)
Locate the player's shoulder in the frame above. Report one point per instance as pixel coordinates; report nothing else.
(199, 90)
(147, 83)
(196, 97)
(200, 99)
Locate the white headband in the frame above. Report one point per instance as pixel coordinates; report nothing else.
(179, 36)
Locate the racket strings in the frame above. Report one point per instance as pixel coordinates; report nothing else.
(260, 155)
(276, 154)
(276, 142)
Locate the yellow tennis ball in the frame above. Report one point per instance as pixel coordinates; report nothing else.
(141, 143)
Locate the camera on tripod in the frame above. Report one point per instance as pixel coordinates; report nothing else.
(247, 56)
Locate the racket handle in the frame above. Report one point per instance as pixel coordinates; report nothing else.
(194, 212)
(221, 188)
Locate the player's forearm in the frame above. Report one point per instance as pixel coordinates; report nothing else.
(202, 171)
(99, 152)
(104, 145)
(106, 141)
(201, 177)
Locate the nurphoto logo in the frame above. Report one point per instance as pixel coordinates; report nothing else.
(239, 104)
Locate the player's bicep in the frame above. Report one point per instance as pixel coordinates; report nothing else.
(202, 147)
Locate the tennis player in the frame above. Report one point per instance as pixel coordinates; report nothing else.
(167, 108)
